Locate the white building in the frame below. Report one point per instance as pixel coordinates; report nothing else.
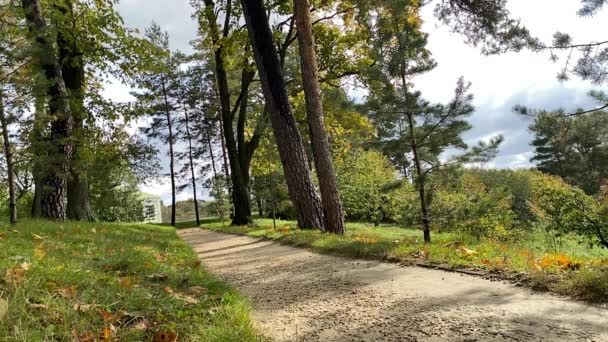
(152, 207)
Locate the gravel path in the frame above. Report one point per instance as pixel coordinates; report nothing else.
(299, 295)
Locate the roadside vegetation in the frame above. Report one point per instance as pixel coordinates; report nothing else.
(100, 281)
(526, 226)
(532, 261)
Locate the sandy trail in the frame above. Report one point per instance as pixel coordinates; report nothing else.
(299, 295)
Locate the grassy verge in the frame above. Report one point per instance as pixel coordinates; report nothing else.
(97, 281)
(573, 269)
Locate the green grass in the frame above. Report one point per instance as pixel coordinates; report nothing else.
(130, 281)
(573, 269)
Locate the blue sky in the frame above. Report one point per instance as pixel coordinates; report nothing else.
(498, 82)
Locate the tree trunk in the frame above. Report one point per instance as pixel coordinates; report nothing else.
(60, 150)
(8, 155)
(36, 211)
(420, 177)
(334, 217)
(289, 141)
(78, 205)
(225, 165)
(210, 146)
(36, 140)
(72, 67)
(189, 137)
(171, 154)
(236, 147)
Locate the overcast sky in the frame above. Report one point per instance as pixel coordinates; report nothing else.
(498, 82)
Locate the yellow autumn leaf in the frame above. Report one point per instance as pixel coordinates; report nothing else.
(3, 308)
(39, 252)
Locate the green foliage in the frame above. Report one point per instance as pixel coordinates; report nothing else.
(517, 183)
(574, 148)
(220, 207)
(564, 209)
(286, 210)
(362, 177)
(471, 209)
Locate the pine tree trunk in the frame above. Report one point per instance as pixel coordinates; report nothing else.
(193, 175)
(334, 217)
(420, 177)
(60, 150)
(289, 141)
(8, 155)
(171, 153)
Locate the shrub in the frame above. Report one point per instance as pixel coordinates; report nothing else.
(468, 207)
(564, 209)
(286, 210)
(362, 180)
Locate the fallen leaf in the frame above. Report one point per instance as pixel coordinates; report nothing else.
(184, 298)
(125, 283)
(25, 266)
(37, 237)
(485, 261)
(107, 316)
(14, 275)
(39, 252)
(87, 337)
(69, 292)
(2, 235)
(93, 230)
(196, 290)
(35, 306)
(107, 333)
(161, 257)
(3, 308)
(466, 252)
(196, 263)
(140, 324)
(157, 277)
(168, 290)
(84, 307)
(165, 336)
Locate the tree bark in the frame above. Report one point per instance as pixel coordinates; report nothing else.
(420, 177)
(189, 137)
(36, 139)
(239, 151)
(60, 149)
(72, 67)
(291, 150)
(334, 217)
(8, 155)
(171, 153)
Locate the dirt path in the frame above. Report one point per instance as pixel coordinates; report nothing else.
(303, 296)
